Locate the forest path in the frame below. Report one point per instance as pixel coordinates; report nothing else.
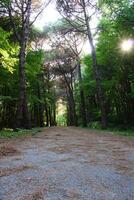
(68, 163)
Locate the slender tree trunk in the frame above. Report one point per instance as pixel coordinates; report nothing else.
(46, 111)
(40, 106)
(96, 70)
(54, 115)
(71, 106)
(47, 116)
(35, 121)
(70, 112)
(50, 116)
(82, 98)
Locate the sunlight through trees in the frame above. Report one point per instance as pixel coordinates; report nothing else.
(49, 77)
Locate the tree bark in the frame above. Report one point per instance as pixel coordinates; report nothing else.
(73, 116)
(23, 120)
(100, 92)
(71, 108)
(82, 98)
(22, 110)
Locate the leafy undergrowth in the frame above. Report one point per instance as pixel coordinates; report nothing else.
(119, 130)
(9, 133)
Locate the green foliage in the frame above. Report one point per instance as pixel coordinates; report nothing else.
(89, 83)
(113, 131)
(35, 60)
(95, 125)
(128, 132)
(116, 69)
(9, 133)
(5, 3)
(8, 51)
(61, 120)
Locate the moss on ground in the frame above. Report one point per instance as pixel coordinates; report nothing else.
(10, 133)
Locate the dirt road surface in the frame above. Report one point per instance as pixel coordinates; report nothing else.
(68, 164)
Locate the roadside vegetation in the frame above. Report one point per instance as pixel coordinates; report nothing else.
(114, 131)
(10, 133)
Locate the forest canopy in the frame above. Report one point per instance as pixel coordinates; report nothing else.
(46, 76)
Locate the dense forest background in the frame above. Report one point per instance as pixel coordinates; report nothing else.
(62, 85)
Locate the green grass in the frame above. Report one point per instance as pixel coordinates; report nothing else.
(128, 132)
(123, 132)
(114, 130)
(9, 133)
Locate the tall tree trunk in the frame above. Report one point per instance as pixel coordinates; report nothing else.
(82, 98)
(47, 115)
(23, 119)
(70, 112)
(54, 115)
(71, 106)
(100, 92)
(22, 110)
(50, 116)
(40, 105)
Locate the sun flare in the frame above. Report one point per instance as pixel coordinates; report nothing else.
(127, 45)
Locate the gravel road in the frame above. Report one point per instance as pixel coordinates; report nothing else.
(68, 163)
